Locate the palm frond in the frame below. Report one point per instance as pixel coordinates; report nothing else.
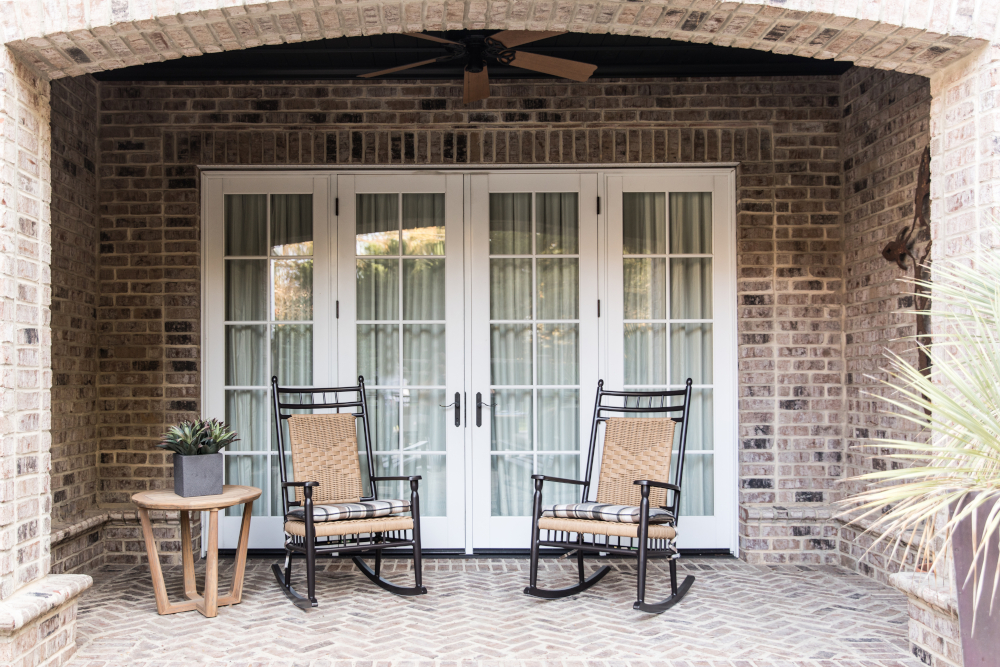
(957, 470)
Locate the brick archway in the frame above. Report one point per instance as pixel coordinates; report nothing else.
(918, 38)
(953, 43)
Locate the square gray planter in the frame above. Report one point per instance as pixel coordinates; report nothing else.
(199, 475)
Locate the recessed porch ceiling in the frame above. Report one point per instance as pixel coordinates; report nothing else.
(347, 57)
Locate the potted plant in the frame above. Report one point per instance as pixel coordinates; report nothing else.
(954, 475)
(198, 464)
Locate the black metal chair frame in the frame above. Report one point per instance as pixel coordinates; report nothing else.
(655, 402)
(356, 545)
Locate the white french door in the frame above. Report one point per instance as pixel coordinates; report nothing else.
(268, 256)
(535, 342)
(401, 327)
(672, 316)
(481, 308)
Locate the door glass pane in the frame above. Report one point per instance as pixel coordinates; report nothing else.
(511, 421)
(246, 413)
(558, 219)
(245, 355)
(378, 289)
(291, 354)
(558, 289)
(425, 424)
(293, 286)
(378, 353)
(566, 467)
(510, 289)
(645, 354)
(423, 289)
(535, 366)
(383, 419)
(246, 290)
(434, 485)
(558, 354)
(510, 223)
(701, 435)
(291, 225)
(644, 222)
(424, 354)
(511, 481)
(691, 288)
(691, 353)
(423, 224)
(245, 225)
(378, 224)
(698, 487)
(559, 419)
(690, 222)
(510, 354)
(249, 470)
(645, 288)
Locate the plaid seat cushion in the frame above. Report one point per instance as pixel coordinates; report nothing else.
(605, 512)
(364, 509)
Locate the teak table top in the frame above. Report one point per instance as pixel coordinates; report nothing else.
(168, 500)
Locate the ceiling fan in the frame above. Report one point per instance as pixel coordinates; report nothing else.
(475, 50)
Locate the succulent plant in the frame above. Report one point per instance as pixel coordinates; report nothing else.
(203, 436)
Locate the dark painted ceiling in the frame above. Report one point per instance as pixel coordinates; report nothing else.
(346, 57)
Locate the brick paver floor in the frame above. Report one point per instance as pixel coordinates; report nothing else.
(475, 615)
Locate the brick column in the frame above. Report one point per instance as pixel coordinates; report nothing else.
(37, 613)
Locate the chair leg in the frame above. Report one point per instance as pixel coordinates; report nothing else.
(311, 571)
(378, 558)
(533, 564)
(640, 593)
(284, 580)
(418, 564)
(579, 561)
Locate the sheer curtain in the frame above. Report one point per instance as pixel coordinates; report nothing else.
(650, 343)
(404, 356)
(549, 334)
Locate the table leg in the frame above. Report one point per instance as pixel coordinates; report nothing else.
(211, 598)
(190, 587)
(163, 605)
(236, 593)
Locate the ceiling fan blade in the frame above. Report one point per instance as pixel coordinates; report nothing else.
(420, 35)
(398, 69)
(477, 86)
(570, 69)
(512, 38)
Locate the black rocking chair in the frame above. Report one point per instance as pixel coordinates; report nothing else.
(331, 512)
(632, 491)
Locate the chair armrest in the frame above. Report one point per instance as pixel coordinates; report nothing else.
(658, 485)
(549, 478)
(287, 484)
(401, 478)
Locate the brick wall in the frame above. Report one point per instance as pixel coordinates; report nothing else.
(783, 132)
(885, 131)
(25, 293)
(74, 299)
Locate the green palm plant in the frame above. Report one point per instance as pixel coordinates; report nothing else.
(959, 410)
(191, 438)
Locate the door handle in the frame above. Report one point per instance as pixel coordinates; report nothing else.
(458, 408)
(479, 408)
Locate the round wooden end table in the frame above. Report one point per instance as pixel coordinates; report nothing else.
(208, 603)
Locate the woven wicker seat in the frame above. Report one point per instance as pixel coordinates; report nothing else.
(334, 510)
(634, 501)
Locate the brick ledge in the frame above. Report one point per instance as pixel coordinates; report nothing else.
(779, 513)
(40, 597)
(66, 532)
(934, 590)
